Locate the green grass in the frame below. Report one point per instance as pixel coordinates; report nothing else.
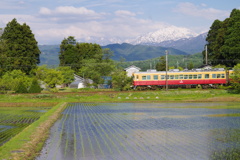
(185, 95)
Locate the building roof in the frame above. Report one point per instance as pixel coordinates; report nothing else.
(132, 66)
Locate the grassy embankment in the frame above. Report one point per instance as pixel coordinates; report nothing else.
(29, 142)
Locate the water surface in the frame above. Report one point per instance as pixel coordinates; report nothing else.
(144, 131)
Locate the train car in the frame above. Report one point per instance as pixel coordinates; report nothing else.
(186, 79)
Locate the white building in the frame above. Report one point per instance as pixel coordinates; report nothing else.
(80, 82)
(132, 69)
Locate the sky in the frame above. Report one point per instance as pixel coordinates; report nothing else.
(111, 20)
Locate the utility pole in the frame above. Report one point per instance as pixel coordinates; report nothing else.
(206, 54)
(166, 51)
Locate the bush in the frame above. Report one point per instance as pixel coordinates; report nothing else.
(21, 88)
(35, 87)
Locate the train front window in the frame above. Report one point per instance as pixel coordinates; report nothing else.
(144, 77)
(155, 77)
(206, 76)
(214, 76)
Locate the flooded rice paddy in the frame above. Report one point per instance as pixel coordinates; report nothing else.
(171, 131)
(14, 119)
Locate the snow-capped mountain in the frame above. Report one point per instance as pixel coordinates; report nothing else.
(189, 45)
(164, 34)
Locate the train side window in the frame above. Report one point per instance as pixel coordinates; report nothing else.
(136, 77)
(206, 76)
(171, 76)
(176, 76)
(218, 75)
(223, 76)
(155, 77)
(148, 77)
(162, 77)
(144, 77)
(185, 76)
(199, 76)
(190, 76)
(181, 76)
(194, 76)
(214, 76)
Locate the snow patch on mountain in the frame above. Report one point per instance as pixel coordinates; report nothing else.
(164, 34)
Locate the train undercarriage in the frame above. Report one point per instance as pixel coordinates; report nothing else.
(187, 86)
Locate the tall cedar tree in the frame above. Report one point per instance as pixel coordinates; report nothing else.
(224, 41)
(22, 50)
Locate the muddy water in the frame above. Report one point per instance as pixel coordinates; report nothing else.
(89, 131)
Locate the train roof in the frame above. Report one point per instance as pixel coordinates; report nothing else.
(184, 71)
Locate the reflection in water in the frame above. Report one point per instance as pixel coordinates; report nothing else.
(144, 131)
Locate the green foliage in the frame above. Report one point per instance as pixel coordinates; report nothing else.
(224, 41)
(86, 59)
(15, 80)
(21, 50)
(120, 81)
(190, 66)
(3, 56)
(35, 87)
(73, 54)
(161, 65)
(68, 74)
(220, 66)
(94, 70)
(21, 88)
(235, 78)
(51, 77)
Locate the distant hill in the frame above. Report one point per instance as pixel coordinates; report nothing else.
(127, 51)
(49, 55)
(140, 52)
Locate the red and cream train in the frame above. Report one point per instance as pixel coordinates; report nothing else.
(183, 79)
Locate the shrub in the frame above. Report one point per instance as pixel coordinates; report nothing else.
(21, 88)
(35, 87)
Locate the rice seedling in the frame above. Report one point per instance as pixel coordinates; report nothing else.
(14, 119)
(146, 131)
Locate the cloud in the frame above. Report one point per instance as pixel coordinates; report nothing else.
(124, 13)
(50, 26)
(69, 12)
(193, 10)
